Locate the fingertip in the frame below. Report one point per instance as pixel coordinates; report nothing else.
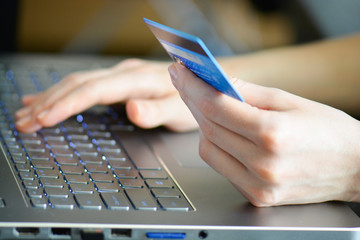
(28, 99)
(27, 125)
(41, 117)
(22, 112)
(136, 112)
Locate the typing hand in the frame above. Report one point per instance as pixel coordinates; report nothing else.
(144, 86)
(276, 148)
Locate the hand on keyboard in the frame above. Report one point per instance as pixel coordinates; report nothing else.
(144, 86)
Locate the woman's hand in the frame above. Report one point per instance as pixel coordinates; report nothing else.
(150, 98)
(276, 148)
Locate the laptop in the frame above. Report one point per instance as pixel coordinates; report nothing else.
(96, 176)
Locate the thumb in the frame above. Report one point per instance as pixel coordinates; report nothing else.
(169, 111)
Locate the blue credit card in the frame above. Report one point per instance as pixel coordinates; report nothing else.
(193, 53)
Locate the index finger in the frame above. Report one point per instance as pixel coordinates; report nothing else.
(239, 117)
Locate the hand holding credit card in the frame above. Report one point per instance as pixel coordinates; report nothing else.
(193, 53)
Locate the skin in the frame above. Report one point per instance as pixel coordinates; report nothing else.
(144, 86)
(275, 142)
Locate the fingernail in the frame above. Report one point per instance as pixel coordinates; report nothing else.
(140, 109)
(21, 122)
(22, 112)
(42, 114)
(173, 73)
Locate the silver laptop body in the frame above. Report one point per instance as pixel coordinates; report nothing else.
(185, 199)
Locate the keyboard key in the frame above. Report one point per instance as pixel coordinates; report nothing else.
(32, 141)
(50, 137)
(65, 161)
(39, 156)
(39, 202)
(34, 193)
(27, 175)
(32, 149)
(19, 159)
(87, 153)
(120, 165)
(159, 183)
(89, 201)
(115, 201)
(38, 164)
(96, 126)
(52, 183)
(82, 188)
(107, 187)
(16, 152)
(125, 173)
(51, 130)
(62, 203)
(100, 134)
(174, 204)
(31, 184)
(81, 137)
(100, 177)
(45, 173)
(104, 169)
(164, 193)
(141, 199)
(77, 179)
(104, 141)
(86, 145)
(63, 152)
(149, 174)
(110, 149)
(23, 167)
(131, 183)
(95, 160)
(57, 192)
(72, 170)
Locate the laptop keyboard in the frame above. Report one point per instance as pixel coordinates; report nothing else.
(90, 161)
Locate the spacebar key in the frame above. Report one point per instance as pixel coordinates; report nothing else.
(140, 153)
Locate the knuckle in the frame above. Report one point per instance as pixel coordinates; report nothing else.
(271, 172)
(130, 62)
(204, 149)
(208, 129)
(271, 137)
(73, 78)
(90, 90)
(264, 197)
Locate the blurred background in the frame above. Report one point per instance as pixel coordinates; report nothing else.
(115, 27)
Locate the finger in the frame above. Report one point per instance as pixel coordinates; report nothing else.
(40, 102)
(27, 124)
(69, 83)
(28, 99)
(106, 90)
(43, 102)
(169, 111)
(263, 97)
(234, 144)
(227, 165)
(239, 117)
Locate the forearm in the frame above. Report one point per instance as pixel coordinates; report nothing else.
(327, 71)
